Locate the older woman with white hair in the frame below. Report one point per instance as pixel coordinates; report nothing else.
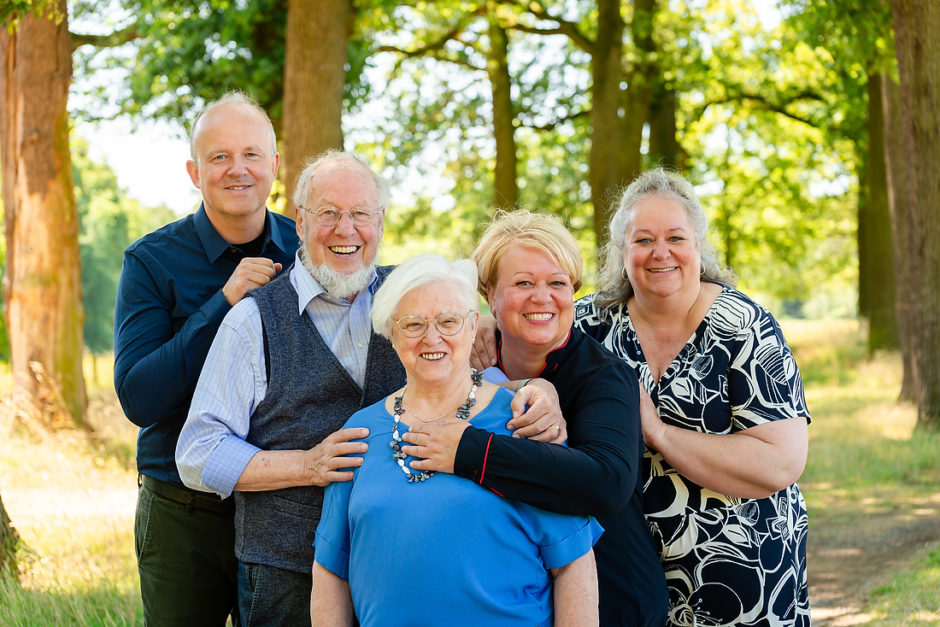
(398, 546)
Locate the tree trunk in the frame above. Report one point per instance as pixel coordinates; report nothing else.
(505, 189)
(897, 196)
(916, 23)
(606, 72)
(9, 538)
(42, 284)
(875, 250)
(664, 146)
(642, 77)
(314, 81)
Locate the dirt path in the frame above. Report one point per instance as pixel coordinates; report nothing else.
(846, 561)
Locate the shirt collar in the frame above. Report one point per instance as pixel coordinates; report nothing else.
(555, 357)
(212, 242)
(215, 245)
(308, 288)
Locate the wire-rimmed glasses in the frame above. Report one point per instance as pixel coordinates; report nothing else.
(447, 323)
(328, 215)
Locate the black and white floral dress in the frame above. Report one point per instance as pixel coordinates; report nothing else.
(728, 560)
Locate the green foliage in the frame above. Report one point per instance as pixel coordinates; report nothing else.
(779, 188)
(109, 221)
(187, 53)
(12, 10)
(769, 119)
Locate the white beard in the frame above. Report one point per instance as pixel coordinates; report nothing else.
(337, 284)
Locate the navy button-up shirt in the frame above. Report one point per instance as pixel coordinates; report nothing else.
(169, 307)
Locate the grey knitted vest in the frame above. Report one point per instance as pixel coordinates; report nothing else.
(309, 396)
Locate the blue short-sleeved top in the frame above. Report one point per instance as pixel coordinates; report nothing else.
(444, 549)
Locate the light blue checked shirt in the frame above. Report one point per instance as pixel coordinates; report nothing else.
(212, 452)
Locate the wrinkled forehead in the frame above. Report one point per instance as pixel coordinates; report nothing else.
(343, 184)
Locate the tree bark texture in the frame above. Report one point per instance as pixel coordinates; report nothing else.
(606, 145)
(314, 82)
(664, 146)
(42, 285)
(642, 76)
(897, 196)
(875, 246)
(505, 189)
(9, 539)
(916, 23)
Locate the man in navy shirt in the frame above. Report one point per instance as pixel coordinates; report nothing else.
(176, 286)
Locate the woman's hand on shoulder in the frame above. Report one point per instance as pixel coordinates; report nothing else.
(484, 344)
(434, 444)
(537, 413)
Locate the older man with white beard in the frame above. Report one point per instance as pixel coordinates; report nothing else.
(285, 371)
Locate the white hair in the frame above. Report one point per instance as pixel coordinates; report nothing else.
(305, 180)
(415, 272)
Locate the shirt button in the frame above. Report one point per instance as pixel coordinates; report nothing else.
(360, 344)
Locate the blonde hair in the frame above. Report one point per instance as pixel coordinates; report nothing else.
(541, 231)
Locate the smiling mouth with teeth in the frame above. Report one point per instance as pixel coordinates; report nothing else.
(664, 269)
(344, 250)
(538, 316)
(432, 356)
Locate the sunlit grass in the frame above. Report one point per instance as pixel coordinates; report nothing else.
(867, 463)
(912, 598)
(71, 497)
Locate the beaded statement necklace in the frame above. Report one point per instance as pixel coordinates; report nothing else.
(463, 413)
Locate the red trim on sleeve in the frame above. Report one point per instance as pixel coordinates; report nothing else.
(486, 454)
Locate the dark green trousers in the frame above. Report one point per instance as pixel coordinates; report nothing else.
(186, 560)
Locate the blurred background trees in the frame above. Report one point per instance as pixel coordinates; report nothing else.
(774, 110)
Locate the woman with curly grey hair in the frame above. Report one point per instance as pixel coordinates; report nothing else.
(723, 413)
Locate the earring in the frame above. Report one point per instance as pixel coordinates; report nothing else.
(623, 274)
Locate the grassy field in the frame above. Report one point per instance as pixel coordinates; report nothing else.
(71, 494)
(870, 473)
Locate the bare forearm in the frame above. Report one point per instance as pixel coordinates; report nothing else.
(753, 463)
(330, 460)
(575, 593)
(330, 600)
(274, 470)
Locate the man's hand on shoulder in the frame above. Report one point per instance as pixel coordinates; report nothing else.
(251, 273)
(327, 462)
